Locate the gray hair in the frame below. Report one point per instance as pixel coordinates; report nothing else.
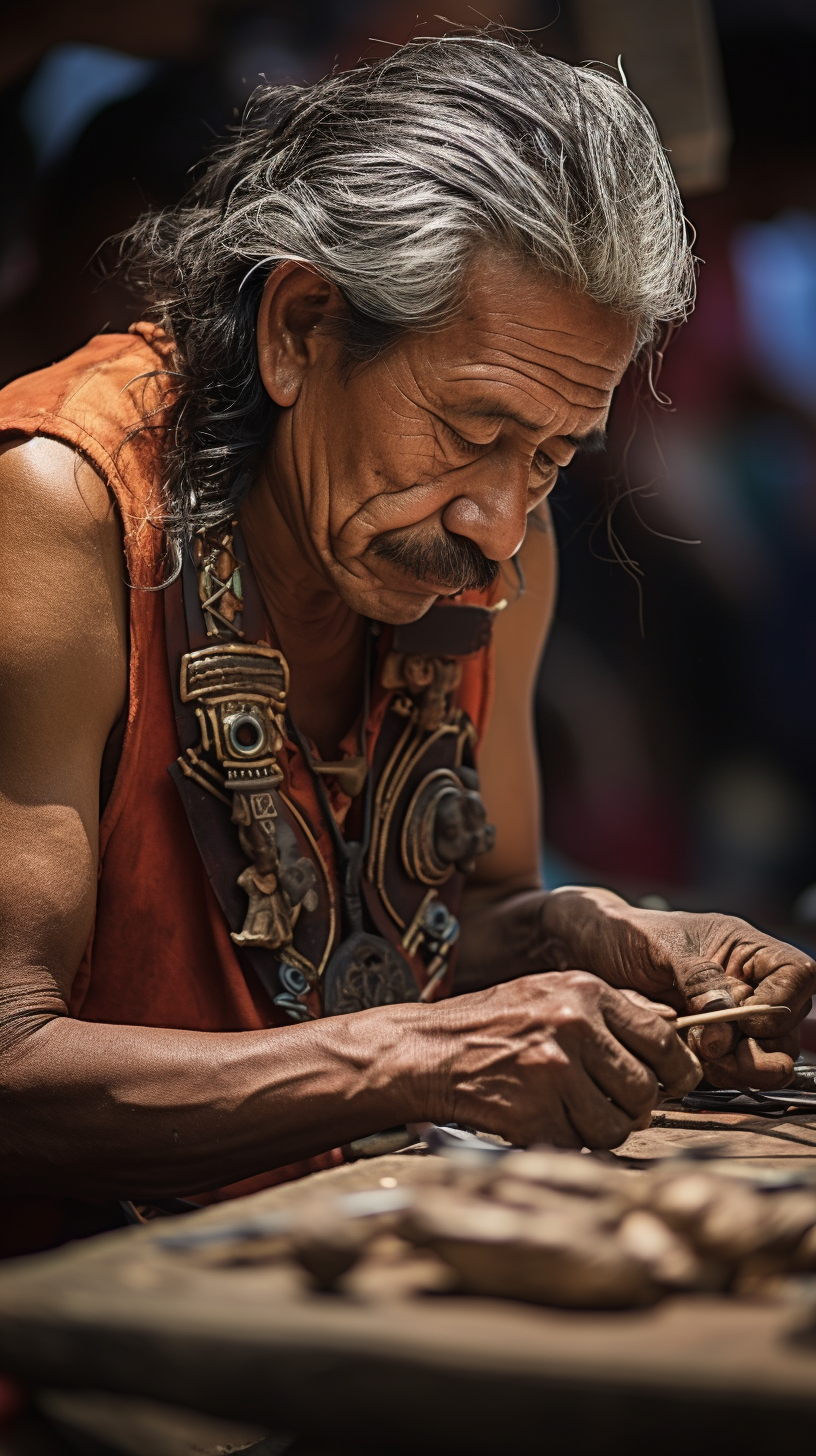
(387, 179)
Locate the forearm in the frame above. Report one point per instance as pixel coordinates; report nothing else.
(118, 1111)
(662, 956)
(509, 932)
(501, 935)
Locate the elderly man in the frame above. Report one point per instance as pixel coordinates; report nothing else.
(278, 575)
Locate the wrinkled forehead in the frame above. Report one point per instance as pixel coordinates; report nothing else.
(519, 330)
(511, 305)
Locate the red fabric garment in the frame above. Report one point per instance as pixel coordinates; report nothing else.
(160, 952)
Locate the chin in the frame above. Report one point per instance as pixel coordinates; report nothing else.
(387, 604)
(399, 613)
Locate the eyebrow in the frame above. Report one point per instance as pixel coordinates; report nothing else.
(593, 442)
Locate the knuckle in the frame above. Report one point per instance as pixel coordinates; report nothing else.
(569, 1018)
(699, 974)
(573, 1008)
(644, 1088)
(582, 983)
(610, 1131)
(664, 1037)
(808, 972)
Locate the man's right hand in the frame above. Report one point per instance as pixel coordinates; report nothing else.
(559, 1058)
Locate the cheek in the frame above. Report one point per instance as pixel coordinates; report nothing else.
(394, 508)
(388, 483)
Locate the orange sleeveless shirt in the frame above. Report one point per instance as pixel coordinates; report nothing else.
(160, 952)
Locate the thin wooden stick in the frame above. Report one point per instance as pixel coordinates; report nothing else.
(728, 1013)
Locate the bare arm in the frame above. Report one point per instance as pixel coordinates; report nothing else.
(506, 888)
(121, 1111)
(513, 927)
(99, 1109)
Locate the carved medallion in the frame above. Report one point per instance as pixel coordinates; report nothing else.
(445, 828)
(365, 971)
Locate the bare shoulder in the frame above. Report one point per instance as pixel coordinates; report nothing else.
(58, 515)
(507, 755)
(538, 555)
(50, 489)
(63, 595)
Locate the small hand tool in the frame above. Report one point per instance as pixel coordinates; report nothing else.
(768, 1104)
(729, 1013)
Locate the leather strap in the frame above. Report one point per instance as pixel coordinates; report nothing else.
(446, 631)
(443, 753)
(209, 819)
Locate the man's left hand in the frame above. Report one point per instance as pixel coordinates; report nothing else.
(693, 962)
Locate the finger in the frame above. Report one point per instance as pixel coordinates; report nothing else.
(623, 1078)
(704, 984)
(550, 1125)
(598, 1122)
(749, 1065)
(713, 1042)
(787, 977)
(766, 1028)
(667, 1012)
(653, 1041)
(706, 987)
(789, 1043)
(782, 988)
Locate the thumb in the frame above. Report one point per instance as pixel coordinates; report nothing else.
(705, 986)
(666, 1013)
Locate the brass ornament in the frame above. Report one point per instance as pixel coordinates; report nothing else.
(429, 822)
(434, 930)
(219, 579)
(408, 752)
(445, 828)
(240, 694)
(276, 892)
(428, 680)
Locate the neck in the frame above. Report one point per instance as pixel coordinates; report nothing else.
(322, 638)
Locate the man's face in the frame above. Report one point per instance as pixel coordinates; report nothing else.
(415, 473)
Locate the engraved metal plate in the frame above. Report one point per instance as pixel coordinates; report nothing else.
(231, 669)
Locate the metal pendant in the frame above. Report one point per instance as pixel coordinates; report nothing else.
(240, 695)
(445, 826)
(365, 971)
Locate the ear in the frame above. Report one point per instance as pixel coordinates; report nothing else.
(295, 302)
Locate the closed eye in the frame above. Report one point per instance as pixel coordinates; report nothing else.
(543, 462)
(470, 447)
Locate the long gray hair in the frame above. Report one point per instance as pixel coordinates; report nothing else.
(387, 179)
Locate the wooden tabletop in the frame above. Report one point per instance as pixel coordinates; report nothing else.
(123, 1312)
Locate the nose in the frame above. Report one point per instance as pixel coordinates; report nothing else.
(492, 509)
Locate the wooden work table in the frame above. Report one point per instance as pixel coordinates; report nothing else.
(121, 1312)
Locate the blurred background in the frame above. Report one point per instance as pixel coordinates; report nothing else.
(676, 703)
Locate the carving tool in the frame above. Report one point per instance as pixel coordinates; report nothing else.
(729, 1013)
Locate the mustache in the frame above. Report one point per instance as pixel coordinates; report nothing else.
(449, 561)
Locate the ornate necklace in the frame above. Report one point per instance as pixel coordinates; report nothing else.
(423, 820)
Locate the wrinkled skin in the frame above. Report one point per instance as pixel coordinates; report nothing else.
(451, 436)
(695, 963)
(591, 1071)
